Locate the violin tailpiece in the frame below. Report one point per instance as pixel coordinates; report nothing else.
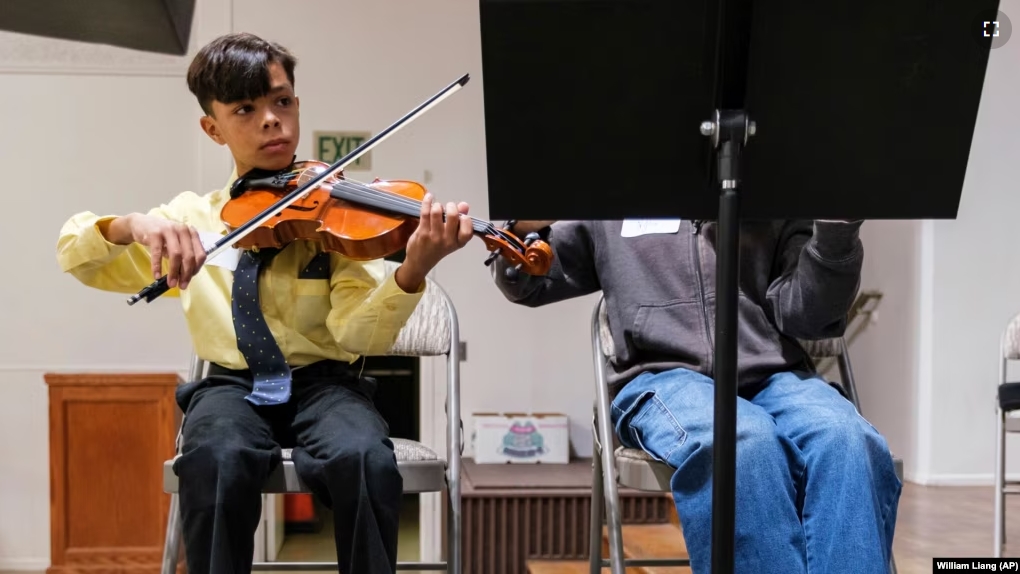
(262, 178)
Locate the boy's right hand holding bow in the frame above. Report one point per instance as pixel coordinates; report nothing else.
(178, 243)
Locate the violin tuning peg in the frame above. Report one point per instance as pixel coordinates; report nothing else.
(492, 257)
(513, 273)
(531, 238)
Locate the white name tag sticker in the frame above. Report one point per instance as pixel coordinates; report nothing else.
(228, 259)
(638, 227)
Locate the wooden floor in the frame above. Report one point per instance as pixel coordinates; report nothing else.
(949, 522)
(932, 521)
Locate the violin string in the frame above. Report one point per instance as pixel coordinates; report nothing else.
(399, 201)
(409, 206)
(393, 197)
(396, 201)
(402, 200)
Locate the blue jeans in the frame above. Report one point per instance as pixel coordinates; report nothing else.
(816, 490)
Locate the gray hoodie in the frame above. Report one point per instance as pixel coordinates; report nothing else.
(798, 280)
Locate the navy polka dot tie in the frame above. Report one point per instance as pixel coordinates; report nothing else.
(270, 372)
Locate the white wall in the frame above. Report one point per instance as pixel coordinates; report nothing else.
(977, 287)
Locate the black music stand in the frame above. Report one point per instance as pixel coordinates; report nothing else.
(614, 109)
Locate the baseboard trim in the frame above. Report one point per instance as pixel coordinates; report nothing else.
(958, 479)
(24, 564)
(97, 368)
(64, 70)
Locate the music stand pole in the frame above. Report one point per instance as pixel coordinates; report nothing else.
(729, 132)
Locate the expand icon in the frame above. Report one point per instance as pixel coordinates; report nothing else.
(992, 28)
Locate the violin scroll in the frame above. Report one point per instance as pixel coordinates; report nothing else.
(536, 258)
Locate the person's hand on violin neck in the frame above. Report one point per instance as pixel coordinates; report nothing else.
(433, 240)
(176, 242)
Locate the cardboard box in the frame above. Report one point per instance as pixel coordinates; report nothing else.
(521, 438)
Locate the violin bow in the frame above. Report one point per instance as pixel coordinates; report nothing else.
(161, 286)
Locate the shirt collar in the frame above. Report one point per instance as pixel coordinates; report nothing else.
(231, 179)
(220, 196)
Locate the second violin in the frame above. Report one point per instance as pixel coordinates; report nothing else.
(358, 220)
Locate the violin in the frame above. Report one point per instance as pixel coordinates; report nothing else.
(358, 220)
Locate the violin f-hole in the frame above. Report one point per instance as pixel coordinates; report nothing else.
(315, 205)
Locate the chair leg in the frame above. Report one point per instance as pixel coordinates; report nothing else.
(1000, 472)
(172, 542)
(614, 517)
(597, 504)
(453, 533)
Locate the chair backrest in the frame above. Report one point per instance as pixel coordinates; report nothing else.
(822, 349)
(428, 331)
(605, 335)
(1011, 340)
(433, 329)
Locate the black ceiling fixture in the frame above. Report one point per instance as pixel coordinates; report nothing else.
(162, 26)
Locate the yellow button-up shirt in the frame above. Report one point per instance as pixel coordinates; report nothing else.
(358, 311)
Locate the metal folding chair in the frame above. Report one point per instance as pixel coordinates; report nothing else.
(633, 468)
(1008, 396)
(432, 330)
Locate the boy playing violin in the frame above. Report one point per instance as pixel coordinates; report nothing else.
(282, 344)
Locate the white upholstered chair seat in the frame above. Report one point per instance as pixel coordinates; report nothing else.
(421, 468)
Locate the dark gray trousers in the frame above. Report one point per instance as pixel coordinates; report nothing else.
(342, 451)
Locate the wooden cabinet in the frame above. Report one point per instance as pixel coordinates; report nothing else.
(109, 436)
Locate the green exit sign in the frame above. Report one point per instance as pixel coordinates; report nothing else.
(331, 146)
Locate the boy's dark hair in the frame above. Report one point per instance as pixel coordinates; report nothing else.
(235, 67)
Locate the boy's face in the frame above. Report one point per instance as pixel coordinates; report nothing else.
(260, 133)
